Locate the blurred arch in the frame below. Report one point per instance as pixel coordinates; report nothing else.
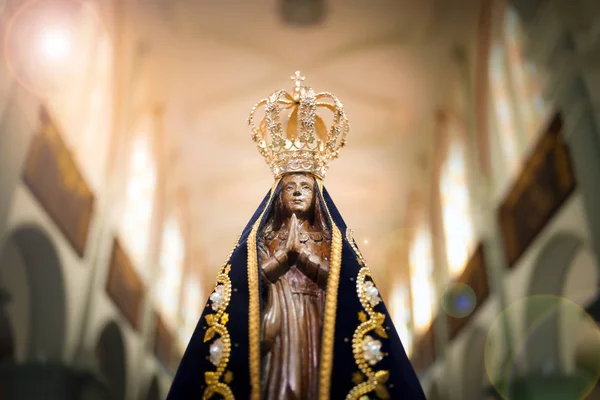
(473, 369)
(549, 277)
(31, 274)
(434, 392)
(112, 362)
(153, 390)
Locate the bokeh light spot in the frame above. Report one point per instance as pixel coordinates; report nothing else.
(459, 300)
(55, 43)
(554, 350)
(46, 45)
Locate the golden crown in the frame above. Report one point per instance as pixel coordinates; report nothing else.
(305, 145)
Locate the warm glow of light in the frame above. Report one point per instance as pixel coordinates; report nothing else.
(456, 215)
(526, 82)
(366, 241)
(139, 201)
(516, 92)
(503, 109)
(171, 271)
(191, 308)
(55, 43)
(401, 316)
(421, 279)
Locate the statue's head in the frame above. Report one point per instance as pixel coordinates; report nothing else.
(298, 195)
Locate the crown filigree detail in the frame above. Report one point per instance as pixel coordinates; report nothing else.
(305, 144)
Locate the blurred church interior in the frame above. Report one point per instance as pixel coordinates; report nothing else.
(470, 178)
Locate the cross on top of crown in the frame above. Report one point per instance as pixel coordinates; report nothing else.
(298, 79)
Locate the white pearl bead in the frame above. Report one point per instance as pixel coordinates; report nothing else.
(216, 352)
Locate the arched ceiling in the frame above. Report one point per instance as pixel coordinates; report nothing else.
(387, 60)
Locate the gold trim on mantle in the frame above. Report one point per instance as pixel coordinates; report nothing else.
(254, 303)
(331, 298)
(216, 323)
(372, 322)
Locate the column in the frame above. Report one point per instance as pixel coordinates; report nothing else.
(18, 124)
(582, 136)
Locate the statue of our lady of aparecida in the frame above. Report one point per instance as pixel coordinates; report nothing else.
(295, 313)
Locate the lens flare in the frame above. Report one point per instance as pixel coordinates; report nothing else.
(55, 43)
(458, 300)
(44, 45)
(554, 349)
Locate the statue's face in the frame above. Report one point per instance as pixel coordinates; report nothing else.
(297, 193)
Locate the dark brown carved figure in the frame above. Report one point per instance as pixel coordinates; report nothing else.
(294, 251)
(294, 328)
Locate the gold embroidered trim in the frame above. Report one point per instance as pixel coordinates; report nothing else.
(216, 325)
(359, 257)
(254, 305)
(375, 380)
(331, 298)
